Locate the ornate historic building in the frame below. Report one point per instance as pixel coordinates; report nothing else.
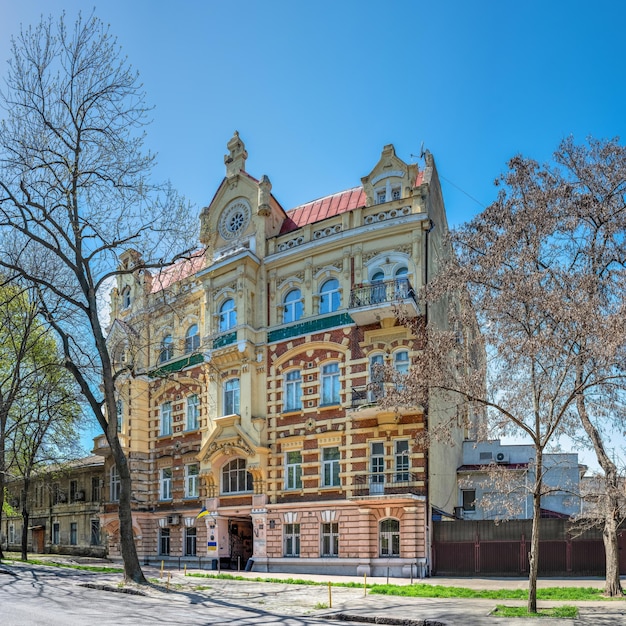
(257, 382)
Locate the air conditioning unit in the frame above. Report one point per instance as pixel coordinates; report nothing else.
(458, 512)
(502, 457)
(62, 497)
(173, 520)
(79, 495)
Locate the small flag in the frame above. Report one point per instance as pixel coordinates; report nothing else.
(202, 513)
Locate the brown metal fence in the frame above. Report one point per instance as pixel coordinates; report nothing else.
(468, 548)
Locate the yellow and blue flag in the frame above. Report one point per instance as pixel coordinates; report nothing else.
(202, 513)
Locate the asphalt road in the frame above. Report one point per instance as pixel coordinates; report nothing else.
(42, 595)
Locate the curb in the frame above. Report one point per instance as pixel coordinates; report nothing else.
(348, 617)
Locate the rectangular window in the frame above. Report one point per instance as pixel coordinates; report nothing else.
(193, 413)
(191, 481)
(377, 467)
(164, 541)
(330, 467)
(293, 470)
(292, 400)
(190, 541)
(73, 490)
(119, 410)
(165, 426)
(11, 533)
(469, 499)
(396, 193)
(73, 533)
(381, 197)
(330, 539)
(95, 489)
(56, 534)
(115, 485)
(166, 484)
(402, 460)
(377, 377)
(330, 383)
(231, 397)
(95, 532)
(292, 539)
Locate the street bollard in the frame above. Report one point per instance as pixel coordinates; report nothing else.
(330, 596)
(364, 585)
(162, 566)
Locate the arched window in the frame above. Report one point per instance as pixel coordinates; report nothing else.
(231, 397)
(235, 477)
(228, 315)
(389, 536)
(401, 361)
(192, 339)
(126, 298)
(330, 298)
(378, 287)
(401, 282)
(292, 306)
(167, 349)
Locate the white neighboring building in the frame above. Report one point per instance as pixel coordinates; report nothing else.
(494, 482)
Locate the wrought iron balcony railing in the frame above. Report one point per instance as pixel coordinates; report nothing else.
(389, 483)
(386, 292)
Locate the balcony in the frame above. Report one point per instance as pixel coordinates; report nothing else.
(373, 302)
(101, 445)
(388, 484)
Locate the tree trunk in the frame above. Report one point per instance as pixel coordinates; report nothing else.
(533, 556)
(25, 518)
(2, 482)
(610, 500)
(132, 568)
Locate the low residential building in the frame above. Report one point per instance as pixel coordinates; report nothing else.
(64, 504)
(495, 479)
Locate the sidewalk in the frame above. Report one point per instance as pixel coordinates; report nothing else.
(354, 605)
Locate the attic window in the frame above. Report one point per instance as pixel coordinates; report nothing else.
(395, 193)
(381, 197)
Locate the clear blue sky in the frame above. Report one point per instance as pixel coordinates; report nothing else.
(317, 88)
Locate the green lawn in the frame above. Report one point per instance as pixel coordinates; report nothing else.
(520, 611)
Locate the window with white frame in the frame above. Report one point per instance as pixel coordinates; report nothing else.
(235, 477)
(191, 480)
(193, 412)
(377, 467)
(192, 339)
(115, 485)
(378, 287)
(396, 193)
(292, 306)
(401, 450)
(330, 467)
(167, 349)
(401, 364)
(381, 196)
(191, 543)
(330, 539)
(389, 536)
(330, 383)
(231, 397)
(292, 539)
(377, 377)
(165, 484)
(292, 391)
(228, 315)
(330, 296)
(293, 469)
(165, 421)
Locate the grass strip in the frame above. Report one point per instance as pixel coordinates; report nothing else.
(421, 590)
(86, 568)
(521, 611)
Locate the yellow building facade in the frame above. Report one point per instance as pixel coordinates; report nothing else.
(257, 382)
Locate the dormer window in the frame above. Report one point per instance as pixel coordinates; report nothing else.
(396, 193)
(381, 196)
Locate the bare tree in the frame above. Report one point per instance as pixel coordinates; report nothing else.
(75, 193)
(521, 270)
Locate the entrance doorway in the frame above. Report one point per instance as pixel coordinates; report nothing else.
(239, 541)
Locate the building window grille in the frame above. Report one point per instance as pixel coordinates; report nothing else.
(292, 539)
(389, 531)
(330, 539)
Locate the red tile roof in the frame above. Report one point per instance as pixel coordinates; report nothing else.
(323, 208)
(180, 270)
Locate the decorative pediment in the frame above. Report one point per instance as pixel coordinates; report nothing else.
(229, 439)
